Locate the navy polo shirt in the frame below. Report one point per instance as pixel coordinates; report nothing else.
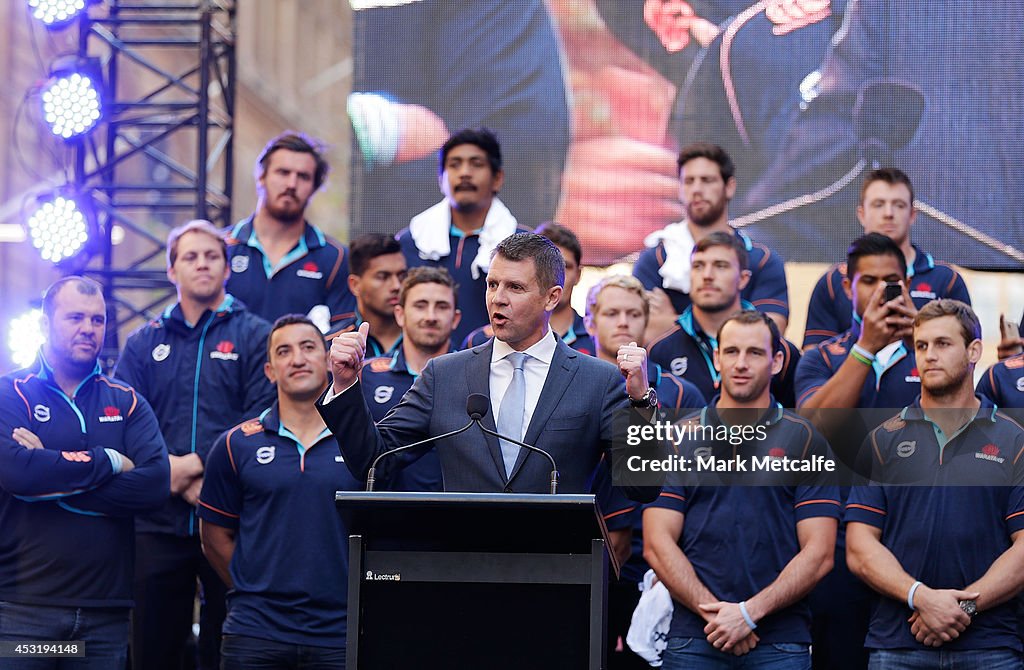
(688, 352)
(66, 529)
(1003, 383)
(346, 323)
(767, 289)
(314, 273)
(576, 337)
(894, 385)
(755, 526)
(830, 311)
(291, 554)
(459, 263)
(944, 535)
(384, 381)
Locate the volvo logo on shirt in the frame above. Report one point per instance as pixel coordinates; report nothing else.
(265, 455)
(382, 394)
(702, 452)
(161, 352)
(224, 351)
(239, 263)
(1020, 384)
(906, 448)
(309, 270)
(41, 413)
(678, 366)
(110, 415)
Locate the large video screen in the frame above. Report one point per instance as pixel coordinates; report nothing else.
(591, 100)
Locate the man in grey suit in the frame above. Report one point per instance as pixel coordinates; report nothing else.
(540, 391)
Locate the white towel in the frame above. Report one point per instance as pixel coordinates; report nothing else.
(430, 230)
(648, 631)
(675, 271)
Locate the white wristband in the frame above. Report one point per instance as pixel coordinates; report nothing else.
(910, 595)
(746, 615)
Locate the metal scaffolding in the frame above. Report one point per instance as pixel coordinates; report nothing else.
(163, 151)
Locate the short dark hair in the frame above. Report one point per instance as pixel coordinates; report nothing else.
(368, 246)
(970, 326)
(84, 285)
(481, 137)
(562, 237)
(712, 152)
(889, 175)
(547, 259)
(873, 244)
(721, 238)
(299, 143)
(750, 317)
(197, 226)
(427, 274)
(290, 320)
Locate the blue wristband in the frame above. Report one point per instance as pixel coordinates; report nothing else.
(746, 615)
(910, 595)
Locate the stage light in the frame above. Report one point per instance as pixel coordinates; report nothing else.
(58, 229)
(24, 337)
(72, 103)
(56, 13)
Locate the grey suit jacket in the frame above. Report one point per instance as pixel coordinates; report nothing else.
(573, 421)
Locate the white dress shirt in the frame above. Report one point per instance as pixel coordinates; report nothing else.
(535, 370)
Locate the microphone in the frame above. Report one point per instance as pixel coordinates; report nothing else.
(477, 405)
(473, 408)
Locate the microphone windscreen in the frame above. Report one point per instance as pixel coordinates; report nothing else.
(477, 406)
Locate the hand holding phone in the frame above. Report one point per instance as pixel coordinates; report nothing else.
(892, 291)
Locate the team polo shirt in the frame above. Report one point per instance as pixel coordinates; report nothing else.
(314, 273)
(830, 311)
(384, 381)
(346, 323)
(290, 564)
(766, 290)
(688, 352)
(1003, 383)
(576, 337)
(472, 292)
(754, 527)
(66, 531)
(621, 512)
(894, 385)
(944, 535)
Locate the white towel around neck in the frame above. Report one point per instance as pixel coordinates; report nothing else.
(675, 271)
(430, 231)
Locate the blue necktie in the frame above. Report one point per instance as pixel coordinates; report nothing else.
(512, 411)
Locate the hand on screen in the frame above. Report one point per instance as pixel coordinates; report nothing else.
(675, 23)
(790, 15)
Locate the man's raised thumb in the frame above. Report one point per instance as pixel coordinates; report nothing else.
(364, 330)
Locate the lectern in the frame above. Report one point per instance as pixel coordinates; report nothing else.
(475, 580)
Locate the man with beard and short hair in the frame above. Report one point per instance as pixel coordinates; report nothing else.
(80, 454)
(460, 232)
(706, 187)
(886, 207)
(754, 604)
(378, 269)
(718, 276)
(947, 556)
(427, 312)
(280, 263)
(269, 524)
(200, 365)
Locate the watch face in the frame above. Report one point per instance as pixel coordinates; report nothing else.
(969, 607)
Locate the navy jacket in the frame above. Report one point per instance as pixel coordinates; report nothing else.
(66, 509)
(200, 382)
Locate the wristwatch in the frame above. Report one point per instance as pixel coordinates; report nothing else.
(969, 607)
(649, 400)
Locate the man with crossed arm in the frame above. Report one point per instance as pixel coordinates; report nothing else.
(947, 557)
(780, 538)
